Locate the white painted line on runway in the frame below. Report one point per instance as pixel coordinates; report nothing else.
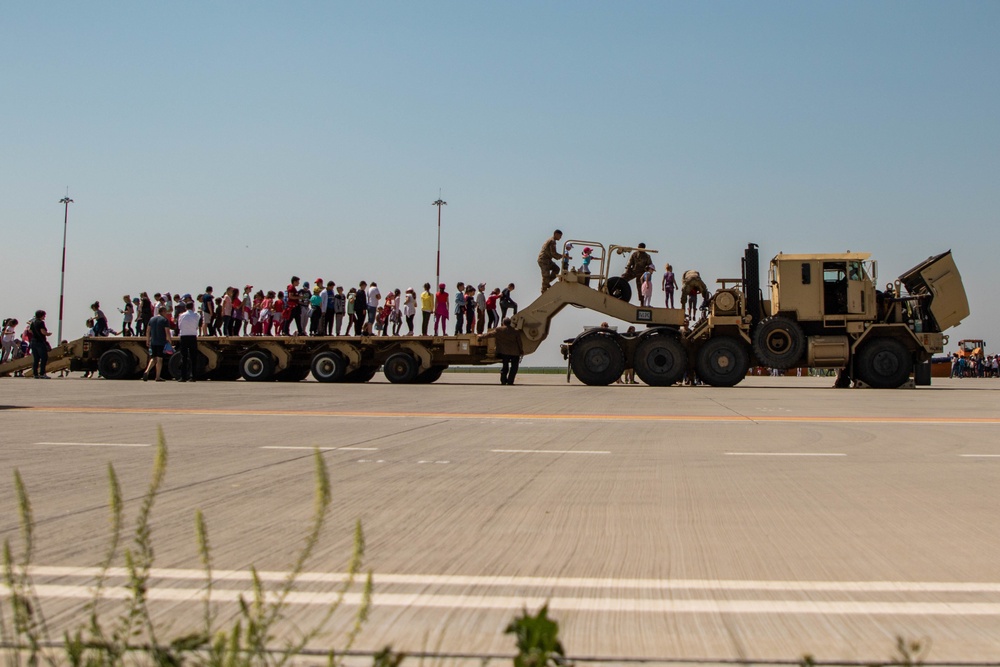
(782, 454)
(514, 603)
(980, 456)
(550, 582)
(93, 444)
(328, 449)
(546, 451)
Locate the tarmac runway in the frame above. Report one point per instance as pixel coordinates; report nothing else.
(760, 523)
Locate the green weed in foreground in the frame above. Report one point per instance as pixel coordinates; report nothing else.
(132, 635)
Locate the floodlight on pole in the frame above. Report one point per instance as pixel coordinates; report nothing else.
(439, 203)
(66, 201)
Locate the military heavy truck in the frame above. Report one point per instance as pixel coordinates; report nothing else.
(817, 311)
(821, 311)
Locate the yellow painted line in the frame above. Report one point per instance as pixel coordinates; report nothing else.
(812, 419)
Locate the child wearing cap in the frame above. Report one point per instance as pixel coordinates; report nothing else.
(585, 257)
(441, 303)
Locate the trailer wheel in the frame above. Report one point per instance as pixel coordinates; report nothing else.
(256, 366)
(597, 360)
(432, 374)
(363, 374)
(116, 365)
(660, 360)
(779, 342)
(400, 368)
(883, 363)
(723, 361)
(619, 288)
(198, 372)
(329, 367)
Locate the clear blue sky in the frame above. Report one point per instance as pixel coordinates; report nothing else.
(231, 143)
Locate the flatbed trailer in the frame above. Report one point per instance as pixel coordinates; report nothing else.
(403, 359)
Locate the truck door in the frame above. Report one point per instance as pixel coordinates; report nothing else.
(835, 288)
(855, 288)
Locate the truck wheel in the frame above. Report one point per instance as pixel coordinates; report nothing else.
(256, 366)
(779, 342)
(597, 360)
(432, 374)
(884, 363)
(723, 361)
(660, 360)
(400, 368)
(116, 365)
(363, 374)
(619, 288)
(328, 367)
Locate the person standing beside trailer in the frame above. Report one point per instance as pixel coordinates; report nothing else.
(187, 327)
(157, 337)
(39, 345)
(508, 348)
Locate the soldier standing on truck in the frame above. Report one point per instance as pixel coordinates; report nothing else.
(691, 286)
(549, 253)
(637, 264)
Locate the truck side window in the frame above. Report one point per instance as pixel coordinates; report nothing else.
(854, 271)
(806, 273)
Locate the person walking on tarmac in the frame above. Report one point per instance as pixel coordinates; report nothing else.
(637, 264)
(509, 349)
(691, 286)
(546, 258)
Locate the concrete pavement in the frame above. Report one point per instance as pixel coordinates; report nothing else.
(766, 521)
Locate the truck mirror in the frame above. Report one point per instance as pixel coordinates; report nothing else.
(806, 273)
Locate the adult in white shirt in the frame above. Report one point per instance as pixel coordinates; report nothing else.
(373, 298)
(187, 327)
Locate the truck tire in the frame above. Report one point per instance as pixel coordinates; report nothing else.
(597, 360)
(256, 366)
(660, 360)
(363, 374)
(723, 361)
(400, 368)
(883, 363)
(432, 374)
(329, 367)
(116, 365)
(619, 288)
(779, 343)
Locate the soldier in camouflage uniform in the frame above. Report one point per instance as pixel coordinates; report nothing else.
(638, 261)
(692, 285)
(549, 253)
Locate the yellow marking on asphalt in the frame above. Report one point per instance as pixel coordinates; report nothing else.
(730, 418)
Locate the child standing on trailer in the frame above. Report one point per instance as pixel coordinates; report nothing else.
(128, 312)
(647, 286)
(669, 286)
(441, 303)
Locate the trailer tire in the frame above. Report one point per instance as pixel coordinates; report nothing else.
(432, 374)
(883, 363)
(116, 365)
(400, 368)
(257, 366)
(660, 360)
(723, 361)
(597, 360)
(619, 288)
(198, 372)
(329, 367)
(779, 342)
(363, 374)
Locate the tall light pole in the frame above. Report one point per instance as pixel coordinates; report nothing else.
(439, 203)
(62, 279)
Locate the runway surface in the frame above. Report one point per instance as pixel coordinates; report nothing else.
(763, 522)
